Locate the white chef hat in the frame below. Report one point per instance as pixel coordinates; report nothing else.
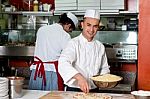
(92, 14)
(73, 18)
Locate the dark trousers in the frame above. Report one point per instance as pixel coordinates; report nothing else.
(79, 90)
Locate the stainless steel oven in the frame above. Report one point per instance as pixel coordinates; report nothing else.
(120, 45)
(121, 49)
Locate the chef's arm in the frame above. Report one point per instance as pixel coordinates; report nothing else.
(83, 84)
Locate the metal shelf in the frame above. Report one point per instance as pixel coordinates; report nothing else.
(77, 12)
(29, 13)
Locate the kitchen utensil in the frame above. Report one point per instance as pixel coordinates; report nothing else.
(106, 80)
(141, 94)
(15, 86)
(46, 7)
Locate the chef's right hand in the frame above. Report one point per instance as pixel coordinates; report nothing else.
(83, 84)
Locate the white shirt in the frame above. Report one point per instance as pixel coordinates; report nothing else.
(81, 56)
(50, 41)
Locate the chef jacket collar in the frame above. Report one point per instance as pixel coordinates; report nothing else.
(85, 40)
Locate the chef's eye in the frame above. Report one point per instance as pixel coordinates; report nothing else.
(88, 24)
(96, 26)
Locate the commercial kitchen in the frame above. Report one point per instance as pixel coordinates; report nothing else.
(123, 30)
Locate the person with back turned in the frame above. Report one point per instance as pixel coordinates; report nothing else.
(50, 41)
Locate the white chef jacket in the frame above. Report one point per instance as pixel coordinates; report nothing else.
(81, 56)
(50, 41)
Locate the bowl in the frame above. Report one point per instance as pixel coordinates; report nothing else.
(141, 94)
(106, 80)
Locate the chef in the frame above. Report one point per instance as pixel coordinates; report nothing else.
(50, 41)
(84, 57)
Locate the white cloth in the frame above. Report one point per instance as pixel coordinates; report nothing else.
(81, 56)
(50, 41)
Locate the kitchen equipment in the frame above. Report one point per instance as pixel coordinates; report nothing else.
(106, 80)
(15, 86)
(141, 94)
(111, 26)
(132, 24)
(46, 7)
(4, 88)
(13, 36)
(124, 52)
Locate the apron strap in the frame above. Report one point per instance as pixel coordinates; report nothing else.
(40, 72)
(60, 80)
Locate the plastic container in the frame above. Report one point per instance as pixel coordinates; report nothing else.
(35, 5)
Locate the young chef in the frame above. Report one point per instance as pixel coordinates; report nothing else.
(84, 57)
(50, 41)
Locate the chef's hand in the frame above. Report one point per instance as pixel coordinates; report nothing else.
(83, 84)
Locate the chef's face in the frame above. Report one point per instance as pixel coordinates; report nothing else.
(90, 27)
(67, 28)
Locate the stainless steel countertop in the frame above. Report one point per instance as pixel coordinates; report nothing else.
(16, 50)
(28, 51)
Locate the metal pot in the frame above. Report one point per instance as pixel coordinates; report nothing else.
(15, 86)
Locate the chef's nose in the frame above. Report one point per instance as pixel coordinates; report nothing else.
(91, 29)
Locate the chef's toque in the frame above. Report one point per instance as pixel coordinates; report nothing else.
(92, 14)
(73, 18)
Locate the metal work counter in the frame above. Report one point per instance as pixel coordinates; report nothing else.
(36, 94)
(16, 50)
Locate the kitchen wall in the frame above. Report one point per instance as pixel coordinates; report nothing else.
(144, 46)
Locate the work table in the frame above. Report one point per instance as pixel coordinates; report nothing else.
(36, 94)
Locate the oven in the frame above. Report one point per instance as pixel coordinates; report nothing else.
(122, 51)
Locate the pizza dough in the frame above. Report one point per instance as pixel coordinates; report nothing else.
(107, 78)
(91, 96)
(75, 95)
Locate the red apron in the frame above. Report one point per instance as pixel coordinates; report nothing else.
(40, 72)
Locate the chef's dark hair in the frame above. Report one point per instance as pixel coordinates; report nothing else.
(65, 20)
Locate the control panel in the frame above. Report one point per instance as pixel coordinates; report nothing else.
(124, 52)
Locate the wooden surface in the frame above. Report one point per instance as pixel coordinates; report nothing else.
(69, 95)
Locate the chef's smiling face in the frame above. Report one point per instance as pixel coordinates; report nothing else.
(90, 27)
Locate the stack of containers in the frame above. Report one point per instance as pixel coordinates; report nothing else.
(4, 88)
(88, 4)
(113, 4)
(65, 5)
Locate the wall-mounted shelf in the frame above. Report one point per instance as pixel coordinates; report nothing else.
(77, 12)
(29, 13)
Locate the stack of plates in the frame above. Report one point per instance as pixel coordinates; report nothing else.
(4, 88)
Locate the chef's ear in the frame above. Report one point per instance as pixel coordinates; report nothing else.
(81, 23)
(69, 24)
